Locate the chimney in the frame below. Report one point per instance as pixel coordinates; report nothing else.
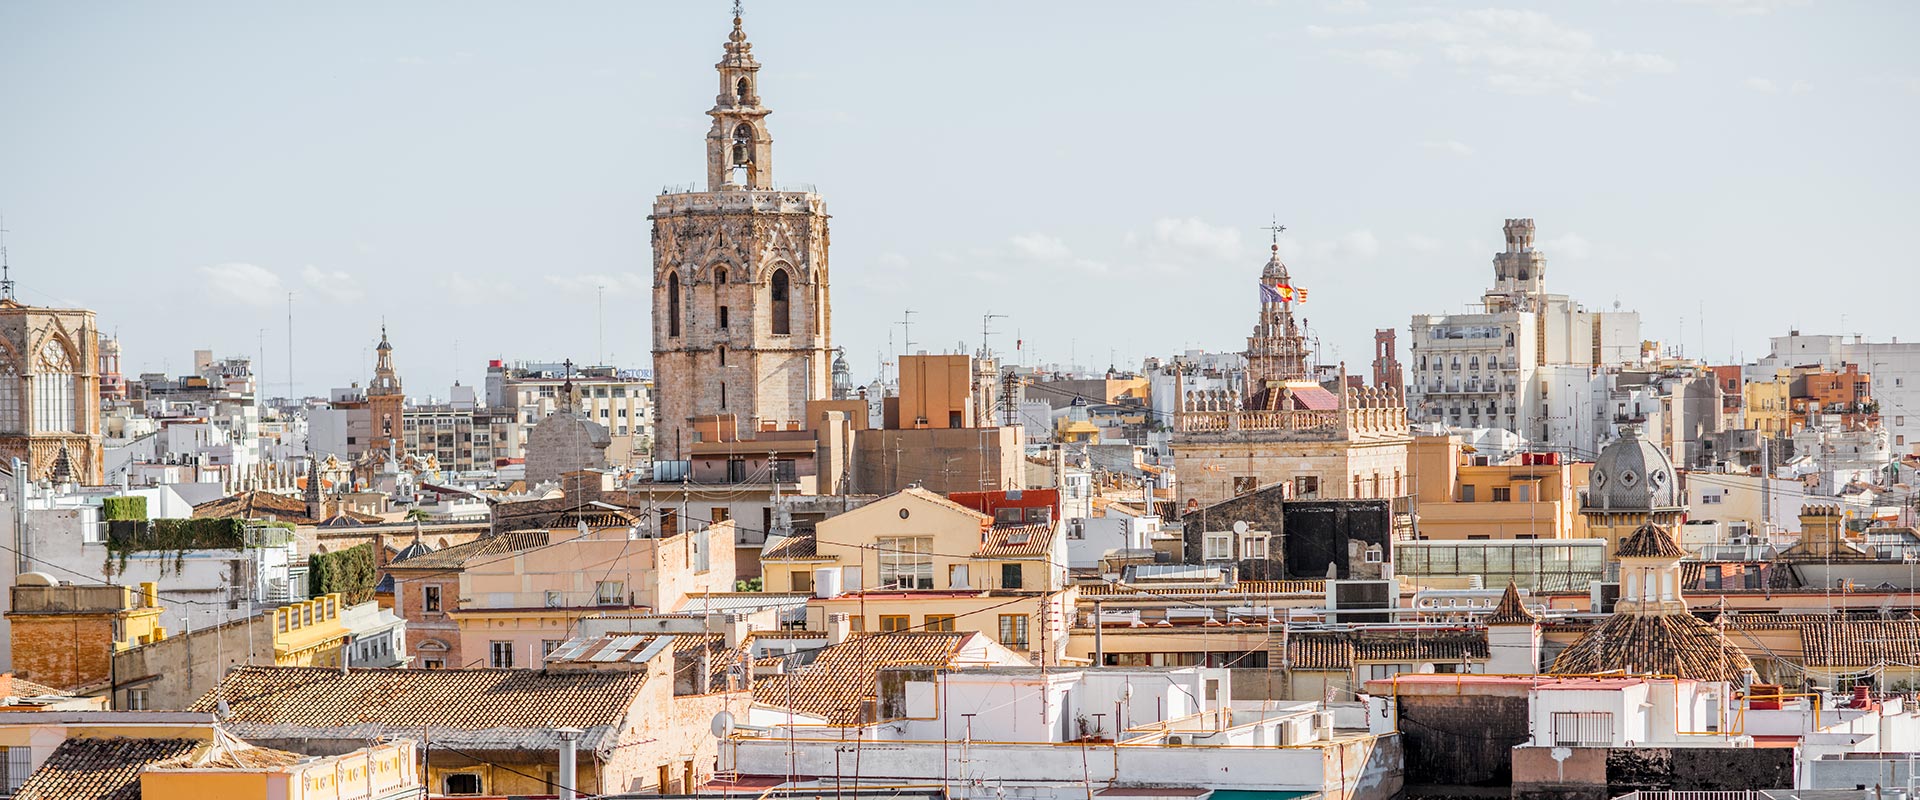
(734, 627)
(569, 742)
(838, 627)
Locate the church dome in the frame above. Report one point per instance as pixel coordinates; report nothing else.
(1632, 474)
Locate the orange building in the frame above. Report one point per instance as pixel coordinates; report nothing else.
(65, 636)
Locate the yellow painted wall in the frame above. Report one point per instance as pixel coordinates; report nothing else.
(203, 785)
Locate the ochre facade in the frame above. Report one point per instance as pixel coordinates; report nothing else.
(50, 391)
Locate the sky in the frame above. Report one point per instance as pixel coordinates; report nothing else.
(478, 175)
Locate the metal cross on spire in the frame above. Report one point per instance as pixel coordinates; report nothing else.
(736, 8)
(1277, 229)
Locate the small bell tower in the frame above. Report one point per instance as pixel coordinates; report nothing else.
(739, 149)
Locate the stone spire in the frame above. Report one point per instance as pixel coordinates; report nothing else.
(1277, 351)
(312, 494)
(739, 149)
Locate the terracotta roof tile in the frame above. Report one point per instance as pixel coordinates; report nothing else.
(1511, 610)
(1650, 541)
(457, 556)
(1860, 642)
(287, 700)
(1340, 650)
(100, 769)
(1680, 645)
(843, 675)
(1024, 541)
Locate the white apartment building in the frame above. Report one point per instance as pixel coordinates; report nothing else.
(619, 400)
(1484, 369)
(1894, 367)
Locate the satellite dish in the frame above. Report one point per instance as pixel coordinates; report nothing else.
(722, 726)
(1240, 526)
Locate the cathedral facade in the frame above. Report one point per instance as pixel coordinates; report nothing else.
(741, 317)
(50, 391)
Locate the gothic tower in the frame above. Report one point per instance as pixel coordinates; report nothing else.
(385, 401)
(741, 319)
(1277, 351)
(1520, 273)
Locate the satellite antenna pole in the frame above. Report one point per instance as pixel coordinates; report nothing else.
(290, 395)
(906, 325)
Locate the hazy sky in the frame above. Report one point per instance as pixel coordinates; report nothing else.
(1100, 172)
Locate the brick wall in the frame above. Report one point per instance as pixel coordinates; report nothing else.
(62, 650)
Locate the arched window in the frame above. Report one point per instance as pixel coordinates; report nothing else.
(720, 296)
(673, 304)
(740, 92)
(53, 389)
(722, 351)
(782, 309)
(742, 144)
(10, 420)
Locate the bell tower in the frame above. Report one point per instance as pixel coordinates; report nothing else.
(739, 151)
(742, 333)
(385, 400)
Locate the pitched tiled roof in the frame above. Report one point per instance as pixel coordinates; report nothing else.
(1680, 645)
(100, 769)
(941, 500)
(26, 688)
(258, 504)
(250, 758)
(1339, 650)
(797, 547)
(457, 556)
(1650, 541)
(521, 705)
(1023, 541)
(843, 675)
(1860, 642)
(1511, 611)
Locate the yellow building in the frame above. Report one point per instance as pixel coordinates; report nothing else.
(309, 633)
(1533, 496)
(385, 771)
(1769, 404)
(917, 561)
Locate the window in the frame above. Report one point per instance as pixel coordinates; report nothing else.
(890, 623)
(1466, 493)
(1010, 576)
(1217, 546)
(957, 577)
(1013, 630)
(430, 599)
(1245, 484)
(547, 646)
(18, 763)
(9, 399)
(782, 309)
(609, 593)
(1502, 494)
(1582, 728)
(942, 623)
(1306, 486)
(1254, 544)
(500, 655)
(802, 580)
(136, 701)
(1525, 492)
(53, 389)
(721, 514)
(673, 305)
(1712, 499)
(555, 599)
(463, 783)
(906, 562)
(434, 663)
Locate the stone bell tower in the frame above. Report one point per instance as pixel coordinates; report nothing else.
(741, 320)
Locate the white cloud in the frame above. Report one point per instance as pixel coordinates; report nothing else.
(465, 289)
(1346, 6)
(1450, 146)
(250, 284)
(1512, 51)
(1361, 244)
(1762, 85)
(1040, 247)
(1568, 245)
(335, 285)
(616, 285)
(1744, 7)
(1425, 244)
(1196, 237)
(1314, 253)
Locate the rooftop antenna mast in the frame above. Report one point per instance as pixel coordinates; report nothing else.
(6, 268)
(906, 325)
(986, 321)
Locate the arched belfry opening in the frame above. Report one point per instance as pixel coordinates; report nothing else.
(779, 292)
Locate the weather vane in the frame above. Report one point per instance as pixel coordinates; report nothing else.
(1277, 228)
(736, 8)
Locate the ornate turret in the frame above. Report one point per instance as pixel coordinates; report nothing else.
(739, 149)
(1277, 351)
